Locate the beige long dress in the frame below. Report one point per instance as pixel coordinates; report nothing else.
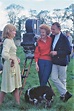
(11, 77)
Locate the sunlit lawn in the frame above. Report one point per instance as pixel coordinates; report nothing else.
(9, 103)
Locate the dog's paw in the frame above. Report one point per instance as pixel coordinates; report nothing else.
(35, 101)
(48, 104)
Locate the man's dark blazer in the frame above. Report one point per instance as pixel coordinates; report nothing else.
(63, 50)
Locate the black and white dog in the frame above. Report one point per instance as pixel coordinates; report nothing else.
(38, 94)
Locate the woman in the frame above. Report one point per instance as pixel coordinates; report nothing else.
(42, 55)
(11, 78)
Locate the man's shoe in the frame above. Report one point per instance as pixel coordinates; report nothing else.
(67, 96)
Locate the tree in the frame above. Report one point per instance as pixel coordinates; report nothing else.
(69, 15)
(21, 26)
(44, 17)
(58, 15)
(13, 12)
(33, 13)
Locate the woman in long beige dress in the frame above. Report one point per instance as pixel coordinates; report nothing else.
(11, 77)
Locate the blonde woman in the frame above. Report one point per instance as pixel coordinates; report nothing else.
(11, 78)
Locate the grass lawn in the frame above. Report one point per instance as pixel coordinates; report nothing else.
(9, 103)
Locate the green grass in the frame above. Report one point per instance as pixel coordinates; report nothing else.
(9, 103)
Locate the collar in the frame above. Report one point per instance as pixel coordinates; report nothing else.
(58, 35)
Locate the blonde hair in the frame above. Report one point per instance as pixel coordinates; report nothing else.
(7, 29)
(46, 27)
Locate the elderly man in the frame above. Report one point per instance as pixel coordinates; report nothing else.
(60, 51)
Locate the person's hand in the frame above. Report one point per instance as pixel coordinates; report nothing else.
(37, 67)
(53, 53)
(11, 62)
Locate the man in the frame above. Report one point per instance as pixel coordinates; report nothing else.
(68, 35)
(60, 51)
